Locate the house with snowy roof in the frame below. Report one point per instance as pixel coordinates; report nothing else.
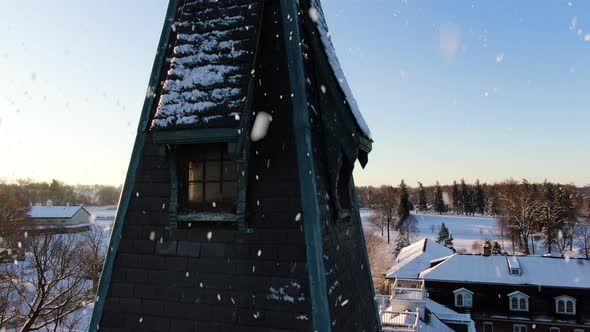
(59, 218)
(514, 293)
(416, 258)
(239, 212)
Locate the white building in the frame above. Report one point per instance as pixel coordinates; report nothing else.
(59, 218)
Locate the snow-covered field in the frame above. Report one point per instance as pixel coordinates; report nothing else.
(465, 229)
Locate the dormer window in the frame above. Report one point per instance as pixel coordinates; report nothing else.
(565, 305)
(463, 298)
(207, 179)
(519, 301)
(514, 266)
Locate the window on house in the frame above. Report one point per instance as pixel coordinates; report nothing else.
(488, 327)
(518, 301)
(519, 328)
(578, 330)
(565, 305)
(207, 179)
(463, 298)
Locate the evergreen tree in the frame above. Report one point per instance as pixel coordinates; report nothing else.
(479, 199)
(463, 196)
(466, 198)
(439, 203)
(456, 198)
(403, 212)
(445, 237)
(496, 248)
(422, 204)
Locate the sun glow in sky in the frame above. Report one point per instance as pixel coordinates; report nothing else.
(450, 89)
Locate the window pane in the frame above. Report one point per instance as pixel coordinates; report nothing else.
(570, 306)
(522, 304)
(213, 171)
(214, 152)
(459, 299)
(195, 171)
(195, 192)
(225, 153)
(229, 170)
(514, 303)
(560, 306)
(212, 193)
(230, 191)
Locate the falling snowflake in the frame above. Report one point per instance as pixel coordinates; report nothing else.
(314, 14)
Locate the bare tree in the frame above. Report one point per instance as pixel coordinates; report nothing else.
(519, 211)
(385, 207)
(93, 254)
(49, 282)
(583, 233)
(379, 259)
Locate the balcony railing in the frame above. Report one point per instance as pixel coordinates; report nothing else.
(393, 321)
(408, 290)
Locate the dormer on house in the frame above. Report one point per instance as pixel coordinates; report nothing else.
(565, 305)
(518, 301)
(513, 266)
(463, 298)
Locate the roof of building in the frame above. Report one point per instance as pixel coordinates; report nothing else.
(494, 269)
(442, 313)
(54, 211)
(211, 64)
(416, 258)
(319, 18)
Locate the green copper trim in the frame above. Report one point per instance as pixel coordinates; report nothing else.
(129, 185)
(307, 178)
(195, 136)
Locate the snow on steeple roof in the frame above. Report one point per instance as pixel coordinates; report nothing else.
(317, 15)
(212, 59)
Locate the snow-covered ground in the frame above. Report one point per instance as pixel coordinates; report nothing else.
(102, 216)
(465, 229)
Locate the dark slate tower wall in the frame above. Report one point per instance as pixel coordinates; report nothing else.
(350, 288)
(347, 271)
(167, 279)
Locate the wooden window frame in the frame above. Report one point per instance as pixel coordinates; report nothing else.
(564, 299)
(519, 327)
(466, 298)
(490, 325)
(199, 153)
(518, 298)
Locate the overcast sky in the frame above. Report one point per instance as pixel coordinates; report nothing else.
(450, 89)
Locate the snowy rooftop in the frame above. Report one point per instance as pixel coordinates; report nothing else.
(322, 26)
(416, 258)
(534, 270)
(210, 65)
(54, 211)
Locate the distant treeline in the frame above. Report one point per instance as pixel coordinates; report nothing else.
(557, 214)
(464, 198)
(34, 193)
